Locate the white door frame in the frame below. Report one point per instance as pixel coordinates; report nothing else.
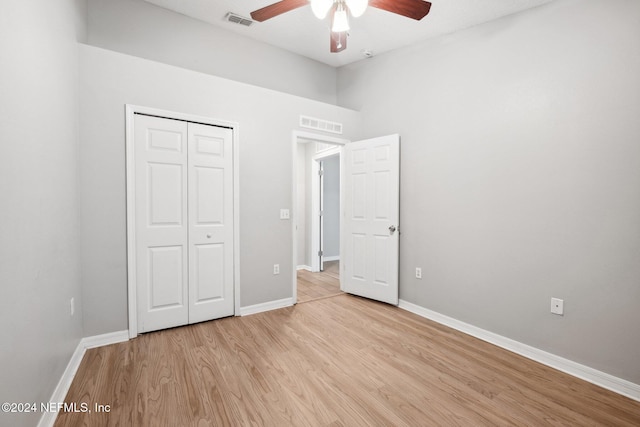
(130, 111)
(301, 137)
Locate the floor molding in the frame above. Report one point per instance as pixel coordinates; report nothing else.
(303, 267)
(332, 258)
(60, 392)
(266, 306)
(602, 379)
(105, 339)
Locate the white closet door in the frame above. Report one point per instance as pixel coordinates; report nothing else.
(210, 163)
(184, 222)
(161, 223)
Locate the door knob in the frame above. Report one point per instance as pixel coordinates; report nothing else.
(392, 229)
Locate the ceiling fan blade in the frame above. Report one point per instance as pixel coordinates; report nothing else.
(276, 9)
(338, 41)
(415, 9)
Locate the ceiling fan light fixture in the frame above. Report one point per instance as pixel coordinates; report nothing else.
(320, 8)
(340, 19)
(340, 10)
(357, 7)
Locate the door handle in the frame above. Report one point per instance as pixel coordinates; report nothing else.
(392, 229)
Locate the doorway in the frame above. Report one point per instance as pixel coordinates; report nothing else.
(369, 222)
(316, 216)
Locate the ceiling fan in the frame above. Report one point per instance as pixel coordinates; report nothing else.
(339, 11)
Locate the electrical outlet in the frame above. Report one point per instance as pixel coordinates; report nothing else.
(276, 268)
(557, 306)
(72, 306)
(418, 273)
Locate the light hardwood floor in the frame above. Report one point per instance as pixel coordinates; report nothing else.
(340, 361)
(312, 286)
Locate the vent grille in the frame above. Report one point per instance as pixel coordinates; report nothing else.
(237, 19)
(319, 124)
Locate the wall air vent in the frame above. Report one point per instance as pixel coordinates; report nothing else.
(319, 124)
(237, 19)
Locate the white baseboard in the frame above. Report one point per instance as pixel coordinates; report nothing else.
(303, 267)
(105, 339)
(60, 392)
(266, 306)
(332, 258)
(602, 379)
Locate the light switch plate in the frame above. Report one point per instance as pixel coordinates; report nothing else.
(285, 214)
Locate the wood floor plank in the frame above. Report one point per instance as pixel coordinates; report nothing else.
(337, 361)
(312, 286)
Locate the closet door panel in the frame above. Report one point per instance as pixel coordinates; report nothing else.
(210, 164)
(161, 223)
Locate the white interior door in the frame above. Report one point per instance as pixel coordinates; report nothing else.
(371, 213)
(184, 222)
(210, 165)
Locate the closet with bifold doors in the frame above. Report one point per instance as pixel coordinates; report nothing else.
(183, 227)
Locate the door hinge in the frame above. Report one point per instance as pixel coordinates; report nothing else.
(320, 213)
(320, 253)
(320, 172)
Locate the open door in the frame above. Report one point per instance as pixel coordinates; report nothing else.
(371, 213)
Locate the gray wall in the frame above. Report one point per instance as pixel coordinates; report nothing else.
(331, 187)
(521, 175)
(109, 80)
(148, 31)
(39, 243)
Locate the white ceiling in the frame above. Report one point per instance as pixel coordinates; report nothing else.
(299, 31)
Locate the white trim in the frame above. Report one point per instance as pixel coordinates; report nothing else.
(130, 110)
(332, 258)
(105, 339)
(318, 137)
(236, 217)
(315, 219)
(342, 209)
(49, 418)
(266, 306)
(131, 220)
(602, 379)
(61, 390)
(303, 267)
(328, 152)
(296, 137)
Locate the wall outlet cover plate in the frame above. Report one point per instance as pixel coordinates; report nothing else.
(557, 306)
